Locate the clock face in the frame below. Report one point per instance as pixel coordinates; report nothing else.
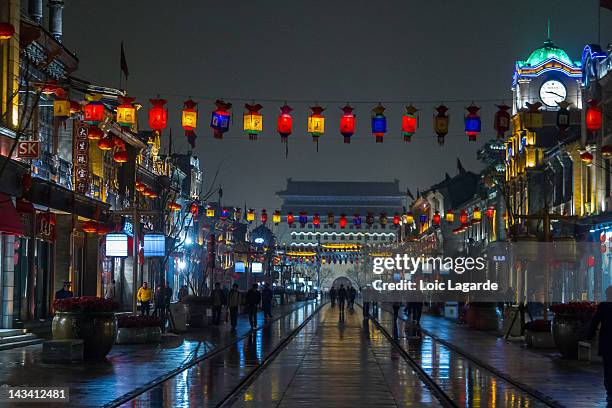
(552, 92)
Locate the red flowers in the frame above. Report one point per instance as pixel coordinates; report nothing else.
(578, 309)
(85, 304)
(139, 321)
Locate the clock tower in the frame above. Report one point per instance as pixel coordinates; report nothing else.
(548, 76)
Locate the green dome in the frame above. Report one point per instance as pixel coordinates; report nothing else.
(547, 51)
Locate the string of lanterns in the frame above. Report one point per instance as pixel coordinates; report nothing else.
(221, 117)
(302, 218)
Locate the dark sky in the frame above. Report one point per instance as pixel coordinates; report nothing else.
(318, 51)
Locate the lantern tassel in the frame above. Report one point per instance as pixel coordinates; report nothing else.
(286, 148)
(191, 138)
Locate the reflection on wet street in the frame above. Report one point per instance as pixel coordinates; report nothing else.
(335, 361)
(338, 363)
(466, 383)
(208, 382)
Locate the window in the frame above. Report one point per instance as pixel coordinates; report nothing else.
(333, 237)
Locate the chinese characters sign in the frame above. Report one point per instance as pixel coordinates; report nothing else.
(81, 158)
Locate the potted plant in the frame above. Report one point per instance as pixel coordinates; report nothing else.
(89, 318)
(570, 325)
(139, 329)
(538, 334)
(482, 316)
(196, 307)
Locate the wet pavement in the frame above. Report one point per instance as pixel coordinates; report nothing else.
(466, 383)
(338, 363)
(129, 367)
(572, 383)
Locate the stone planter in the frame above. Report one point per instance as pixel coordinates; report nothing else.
(153, 334)
(539, 340)
(132, 335)
(568, 331)
(482, 317)
(197, 315)
(97, 330)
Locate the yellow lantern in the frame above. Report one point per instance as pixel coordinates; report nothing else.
(449, 216)
(253, 122)
(61, 108)
(210, 212)
(316, 122)
(190, 119)
(276, 217)
(477, 214)
(126, 112)
(408, 218)
(250, 215)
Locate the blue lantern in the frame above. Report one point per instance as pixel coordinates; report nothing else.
(423, 218)
(472, 123)
(357, 220)
(379, 123)
(303, 219)
(220, 119)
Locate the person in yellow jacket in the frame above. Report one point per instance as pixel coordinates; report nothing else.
(144, 297)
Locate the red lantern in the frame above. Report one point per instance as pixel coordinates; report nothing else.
(587, 158)
(264, 216)
(194, 209)
(106, 143)
(75, 107)
(409, 123)
(316, 220)
(120, 156)
(502, 121)
(189, 120)
(490, 212)
(436, 218)
(347, 123)
(290, 219)
(94, 133)
(342, 221)
(285, 123)
(606, 151)
(90, 227)
(158, 115)
(463, 217)
(7, 31)
(93, 112)
(593, 116)
(396, 219)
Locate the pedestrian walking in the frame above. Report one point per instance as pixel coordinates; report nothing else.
(233, 303)
(603, 320)
(342, 295)
(266, 301)
(167, 297)
(109, 292)
(352, 294)
(332, 296)
(365, 295)
(144, 296)
(253, 298)
(159, 301)
(218, 301)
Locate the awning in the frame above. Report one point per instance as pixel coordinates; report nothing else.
(10, 222)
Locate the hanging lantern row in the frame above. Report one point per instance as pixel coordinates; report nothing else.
(145, 190)
(94, 113)
(94, 227)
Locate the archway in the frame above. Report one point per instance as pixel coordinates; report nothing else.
(342, 280)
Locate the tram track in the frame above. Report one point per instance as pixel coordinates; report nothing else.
(435, 387)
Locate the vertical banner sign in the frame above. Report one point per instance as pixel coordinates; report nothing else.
(81, 158)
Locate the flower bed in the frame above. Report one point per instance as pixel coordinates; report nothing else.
(139, 329)
(584, 310)
(85, 304)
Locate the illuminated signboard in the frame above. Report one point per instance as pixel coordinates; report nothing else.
(117, 245)
(239, 267)
(154, 245)
(257, 267)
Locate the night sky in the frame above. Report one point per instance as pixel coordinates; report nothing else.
(309, 51)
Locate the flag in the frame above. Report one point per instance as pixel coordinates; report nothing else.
(124, 66)
(606, 4)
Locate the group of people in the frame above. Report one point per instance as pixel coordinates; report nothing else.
(343, 296)
(231, 300)
(162, 299)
